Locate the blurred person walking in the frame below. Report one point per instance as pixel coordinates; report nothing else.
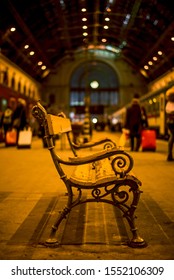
(19, 117)
(170, 121)
(133, 122)
(6, 120)
(144, 120)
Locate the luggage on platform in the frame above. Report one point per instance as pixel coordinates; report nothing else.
(25, 138)
(148, 140)
(124, 140)
(11, 137)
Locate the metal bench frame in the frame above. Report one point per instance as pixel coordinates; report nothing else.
(107, 189)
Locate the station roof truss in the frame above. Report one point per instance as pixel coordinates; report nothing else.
(45, 31)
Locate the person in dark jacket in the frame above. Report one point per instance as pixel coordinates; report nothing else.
(170, 122)
(19, 118)
(133, 123)
(144, 119)
(6, 120)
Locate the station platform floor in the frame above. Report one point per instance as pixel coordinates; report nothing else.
(31, 195)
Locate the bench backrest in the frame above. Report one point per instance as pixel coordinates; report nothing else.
(58, 125)
(53, 125)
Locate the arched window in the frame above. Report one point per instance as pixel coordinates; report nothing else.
(13, 82)
(5, 78)
(98, 81)
(19, 86)
(24, 89)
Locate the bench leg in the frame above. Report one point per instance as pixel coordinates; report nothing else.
(52, 240)
(136, 241)
(129, 212)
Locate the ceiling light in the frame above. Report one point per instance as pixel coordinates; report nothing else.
(146, 67)
(107, 19)
(83, 10)
(108, 9)
(40, 63)
(150, 62)
(12, 29)
(94, 84)
(105, 26)
(172, 38)
(32, 53)
(160, 52)
(104, 40)
(43, 67)
(26, 47)
(85, 34)
(85, 27)
(84, 19)
(126, 20)
(155, 58)
(155, 22)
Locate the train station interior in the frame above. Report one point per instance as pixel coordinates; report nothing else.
(77, 65)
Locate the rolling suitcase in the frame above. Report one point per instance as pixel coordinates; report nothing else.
(25, 138)
(11, 137)
(148, 140)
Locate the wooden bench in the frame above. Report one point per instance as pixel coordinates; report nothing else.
(105, 175)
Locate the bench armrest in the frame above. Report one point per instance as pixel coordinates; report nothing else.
(121, 161)
(108, 144)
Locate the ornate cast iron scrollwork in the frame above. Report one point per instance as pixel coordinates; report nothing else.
(120, 197)
(109, 145)
(40, 114)
(96, 193)
(122, 163)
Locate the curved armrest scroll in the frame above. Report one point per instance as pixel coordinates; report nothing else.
(121, 162)
(108, 144)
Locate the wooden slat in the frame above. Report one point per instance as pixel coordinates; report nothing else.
(58, 125)
(84, 174)
(94, 173)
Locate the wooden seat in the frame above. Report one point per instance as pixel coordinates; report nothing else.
(94, 174)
